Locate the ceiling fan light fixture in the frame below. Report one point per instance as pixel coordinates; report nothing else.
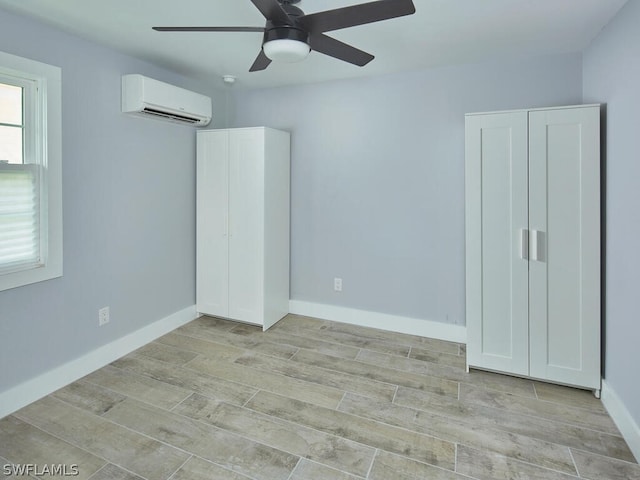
(286, 50)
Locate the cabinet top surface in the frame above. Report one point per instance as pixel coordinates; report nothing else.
(208, 130)
(564, 107)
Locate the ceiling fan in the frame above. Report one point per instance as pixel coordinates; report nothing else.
(289, 34)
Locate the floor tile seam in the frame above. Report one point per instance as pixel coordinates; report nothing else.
(359, 442)
(430, 464)
(414, 340)
(294, 469)
(447, 378)
(600, 410)
(137, 399)
(183, 450)
(57, 437)
(340, 402)
(373, 461)
(84, 380)
(406, 429)
(285, 359)
(359, 477)
(535, 390)
(202, 339)
(330, 344)
(130, 372)
(126, 395)
(181, 402)
(369, 364)
(194, 455)
(244, 405)
(278, 420)
(190, 370)
(463, 475)
(498, 428)
(193, 391)
(351, 335)
(373, 379)
(575, 465)
(180, 467)
(120, 467)
(574, 475)
(259, 371)
(244, 348)
(592, 428)
(321, 368)
(339, 372)
(455, 458)
(395, 394)
(585, 452)
(461, 441)
(113, 422)
(444, 355)
(551, 402)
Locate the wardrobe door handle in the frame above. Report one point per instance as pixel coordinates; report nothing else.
(524, 244)
(538, 245)
(225, 228)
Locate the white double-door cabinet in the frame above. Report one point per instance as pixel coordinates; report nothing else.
(242, 264)
(533, 243)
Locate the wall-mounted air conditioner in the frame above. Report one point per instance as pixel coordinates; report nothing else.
(146, 97)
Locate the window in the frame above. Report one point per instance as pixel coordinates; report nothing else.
(30, 172)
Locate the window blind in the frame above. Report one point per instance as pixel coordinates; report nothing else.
(19, 217)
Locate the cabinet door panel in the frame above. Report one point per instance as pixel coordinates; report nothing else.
(212, 291)
(497, 273)
(246, 225)
(564, 189)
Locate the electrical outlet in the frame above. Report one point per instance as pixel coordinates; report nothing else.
(103, 316)
(337, 284)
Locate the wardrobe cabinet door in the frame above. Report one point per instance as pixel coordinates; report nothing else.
(212, 248)
(246, 225)
(497, 268)
(564, 202)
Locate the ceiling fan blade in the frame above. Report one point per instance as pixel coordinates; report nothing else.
(356, 15)
(261, 62)
(336, 49)
(271, 10)
(209, 29)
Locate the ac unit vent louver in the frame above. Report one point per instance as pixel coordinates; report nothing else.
(171, 116)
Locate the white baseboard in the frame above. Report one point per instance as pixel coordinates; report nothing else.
(382, 321)
(622, 418)
(48, 382)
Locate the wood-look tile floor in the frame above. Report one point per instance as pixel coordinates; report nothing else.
(312, 399)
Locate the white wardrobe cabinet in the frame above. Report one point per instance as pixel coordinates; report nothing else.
(533, 243)
(242, 259)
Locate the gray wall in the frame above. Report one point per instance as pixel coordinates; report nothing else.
(612, 76)
(378, 177)
(129, 211)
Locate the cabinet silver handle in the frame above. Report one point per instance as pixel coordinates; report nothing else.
(524, 244)
(538, 245)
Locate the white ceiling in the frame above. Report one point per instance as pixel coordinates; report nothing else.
(441, 32)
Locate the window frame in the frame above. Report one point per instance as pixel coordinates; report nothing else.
(43, 111)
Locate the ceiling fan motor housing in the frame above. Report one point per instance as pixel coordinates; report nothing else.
(282, 32)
